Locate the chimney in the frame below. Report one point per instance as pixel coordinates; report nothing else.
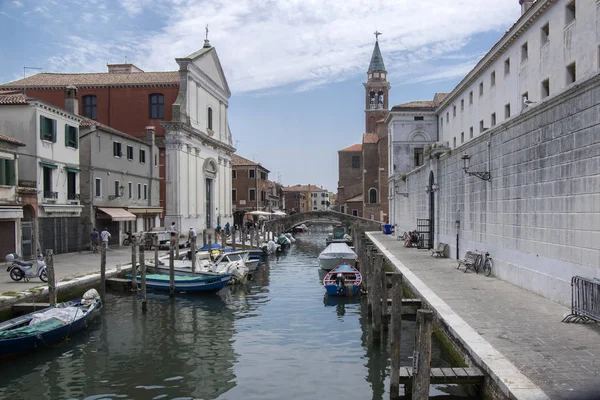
(150, 132)
(525, 5)
(71, 100)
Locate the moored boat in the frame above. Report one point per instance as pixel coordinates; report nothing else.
(336, 254)
(48, 326)
(185, 283)
(343, 280)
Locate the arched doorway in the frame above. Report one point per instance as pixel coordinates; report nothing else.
(210, 173)
(431, 209)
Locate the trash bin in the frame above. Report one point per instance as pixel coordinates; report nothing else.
(387, 229)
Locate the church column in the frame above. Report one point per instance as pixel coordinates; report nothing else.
(173, 147)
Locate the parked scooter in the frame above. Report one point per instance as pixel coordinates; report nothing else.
(19, 269)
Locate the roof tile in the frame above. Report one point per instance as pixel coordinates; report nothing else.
(10, 139)
(354, 147)
(96, 79)
(12, 97)
(370, 138)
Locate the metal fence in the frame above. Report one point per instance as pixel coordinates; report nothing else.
(585, 300)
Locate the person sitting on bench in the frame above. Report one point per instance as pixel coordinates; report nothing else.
(414, 238)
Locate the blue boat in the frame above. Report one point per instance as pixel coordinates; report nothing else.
(343, 280)
(186, 283)
(47, 326)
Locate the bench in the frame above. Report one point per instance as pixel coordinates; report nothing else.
(471, 261)
(440, 251)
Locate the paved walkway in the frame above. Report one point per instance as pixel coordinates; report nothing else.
(563, 360)
(71, 265)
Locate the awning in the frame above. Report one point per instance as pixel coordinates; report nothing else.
(72, 168)
(48, 165)
(118, 214)
(153, 210)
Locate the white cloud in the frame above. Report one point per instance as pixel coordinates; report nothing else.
(17, 3)
(264, 45)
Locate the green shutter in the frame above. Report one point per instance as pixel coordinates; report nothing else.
(76, 137)
(42, 127)
(54, 131)
(10, 172)
(66, 135)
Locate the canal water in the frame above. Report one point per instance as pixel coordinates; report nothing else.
(278, 337)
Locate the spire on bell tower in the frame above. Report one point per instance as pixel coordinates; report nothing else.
(377, 89)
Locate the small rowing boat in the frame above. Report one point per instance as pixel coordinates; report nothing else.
(343, 280)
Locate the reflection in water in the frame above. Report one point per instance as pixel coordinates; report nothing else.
(277, 337)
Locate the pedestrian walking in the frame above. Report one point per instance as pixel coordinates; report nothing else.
(173, 232)
(105, 235)
(192, 233)
(227, 228)
(95, 236)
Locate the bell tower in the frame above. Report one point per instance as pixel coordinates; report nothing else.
(376, 90)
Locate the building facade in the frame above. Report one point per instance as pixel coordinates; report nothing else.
(513, 167)
(11, 209)
(363, 168)
(250, 181)
(49, 168)
(120, 181)
(295, 200)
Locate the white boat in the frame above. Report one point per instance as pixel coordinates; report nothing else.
(336, 254)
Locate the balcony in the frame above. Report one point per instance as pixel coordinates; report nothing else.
(50, 195)
(73, 196)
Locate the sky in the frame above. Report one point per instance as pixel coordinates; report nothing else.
(295, 67)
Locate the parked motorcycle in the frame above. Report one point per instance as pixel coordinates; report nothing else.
(26, 270)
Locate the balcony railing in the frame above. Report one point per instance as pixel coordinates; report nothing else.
(73, 196)
(50, 195)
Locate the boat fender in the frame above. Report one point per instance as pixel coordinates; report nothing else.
(90, 297)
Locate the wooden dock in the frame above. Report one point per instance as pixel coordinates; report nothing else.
(446, 375)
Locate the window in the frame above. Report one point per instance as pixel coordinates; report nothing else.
(117, 149)
(493, 119)
(130, 153)
(471, 97)
(130, 190)
(545, 32)
(355, 161)
(493, 78)
(71, 185)
(263, 195)
(453, 111)
(98, 187)
(471, 133)
(157, 106)
(48, 192)
(545, 88)
(233, 195)
(462, 105)
(263, 176)
(524, 52)
(481, 89)
(233, 174)
(418, 156)
(117, 191)
(571, 73)
(209, 124)
(524, 98)
(507, 66)
(355, 213)
(507, 111)
(7, 172)
(454, 142)
(481, 127)
(462, 137)
(447, 117)
(419, 118)
(145, 192)
(142, 156)
(373, 196)
(89, 107)
(47, 129)
(71, 136)
(322, 202)
(139, 194)
(156, 160)
(570, 12)
(251, 173)
(252, 195)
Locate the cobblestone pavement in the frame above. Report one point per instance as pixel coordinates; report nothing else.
(562, 359)
(72, 265)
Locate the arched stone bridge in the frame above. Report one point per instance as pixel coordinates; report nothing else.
(286, 223)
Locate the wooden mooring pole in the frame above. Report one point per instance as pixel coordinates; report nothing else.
(223, 240)
(395, 335)
(233, 232)
(210, 245)
(193, 254)
(422, 355)
(384, 294)
(156, 252)
(204, 237)
(171, 271)
(102, 272)
(143, 280)
(51, 276)
(243, 238)
(376, 298)
(369, 275)
(134, 286)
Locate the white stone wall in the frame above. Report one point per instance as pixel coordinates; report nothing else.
(576, 42)
(539, 215)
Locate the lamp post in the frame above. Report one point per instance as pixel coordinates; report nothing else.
(485, 175)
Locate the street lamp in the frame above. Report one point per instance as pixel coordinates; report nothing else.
(467, 164)
(397, 191)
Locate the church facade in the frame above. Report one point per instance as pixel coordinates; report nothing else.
(363, 168)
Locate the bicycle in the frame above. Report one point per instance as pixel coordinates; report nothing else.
(485, 263)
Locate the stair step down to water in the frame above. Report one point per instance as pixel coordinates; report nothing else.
(25, 308)
(119, 283)
(455, 375)
(408, 302)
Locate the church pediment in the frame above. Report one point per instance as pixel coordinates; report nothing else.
(207, 61)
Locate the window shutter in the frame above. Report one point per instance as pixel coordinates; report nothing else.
(54, 131)
(41, 127)
(10, 172)
(76, 132)
(66, 135)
